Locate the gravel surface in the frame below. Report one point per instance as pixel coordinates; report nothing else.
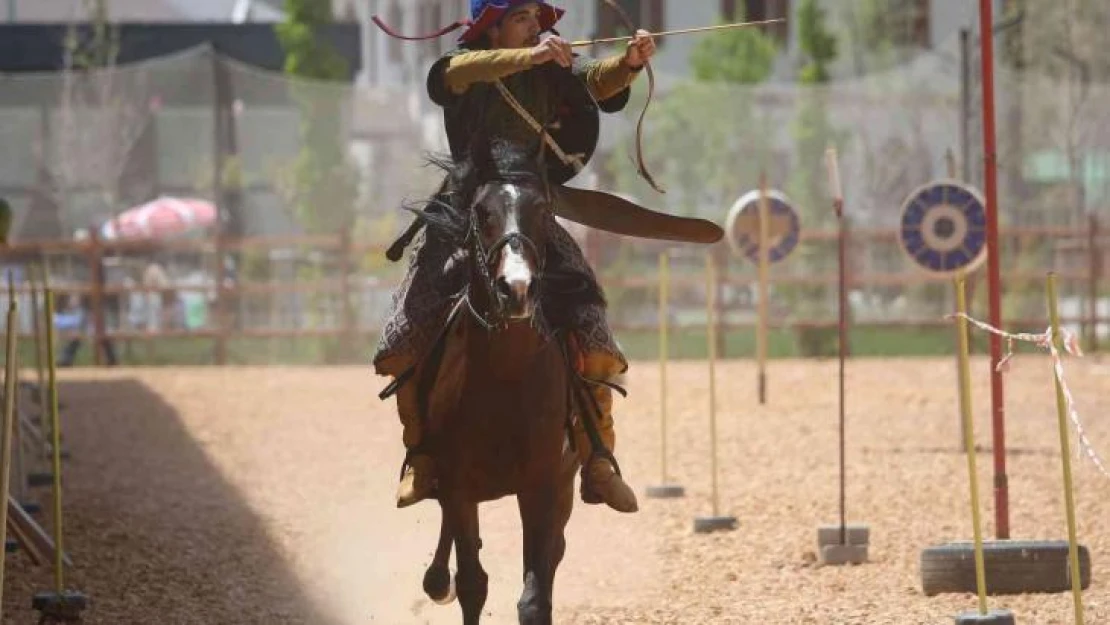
(264, 495)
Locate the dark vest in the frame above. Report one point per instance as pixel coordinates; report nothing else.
(553, 95)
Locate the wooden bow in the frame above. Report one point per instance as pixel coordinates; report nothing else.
(641, 167)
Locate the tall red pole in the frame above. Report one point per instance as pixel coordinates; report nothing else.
(990, 164)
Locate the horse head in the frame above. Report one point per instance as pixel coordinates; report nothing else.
(509, 210)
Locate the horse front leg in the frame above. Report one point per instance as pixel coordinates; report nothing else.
(544, 516)
(471, 581)
(438, 584)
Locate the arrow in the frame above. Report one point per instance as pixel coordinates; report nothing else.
(700, 29)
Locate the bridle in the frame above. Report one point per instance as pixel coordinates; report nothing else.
(494, 317)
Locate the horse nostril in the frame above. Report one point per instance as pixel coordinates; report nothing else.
(501, 285)
(516, 291)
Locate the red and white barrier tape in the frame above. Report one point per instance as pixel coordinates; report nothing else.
(1044, 340)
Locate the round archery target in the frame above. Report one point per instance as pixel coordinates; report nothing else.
(783, 228)
(944, 227)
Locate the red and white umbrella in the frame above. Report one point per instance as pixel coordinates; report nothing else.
(160, 218)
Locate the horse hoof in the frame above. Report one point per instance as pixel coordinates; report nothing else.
(439, 585)
(449, 596)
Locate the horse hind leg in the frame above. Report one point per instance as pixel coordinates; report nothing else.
(438, 584)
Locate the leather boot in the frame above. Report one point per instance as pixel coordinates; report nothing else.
(418, 479)
(600, 481)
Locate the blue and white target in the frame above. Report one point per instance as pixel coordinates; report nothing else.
(944, 227)
(783, 228)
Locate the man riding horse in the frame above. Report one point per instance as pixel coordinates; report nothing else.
(502, 51)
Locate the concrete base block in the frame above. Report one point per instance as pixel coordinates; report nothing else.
(832, 552)
(855, 534)
(839, 555)
(704, 525)
(60, 608)
(992, 617)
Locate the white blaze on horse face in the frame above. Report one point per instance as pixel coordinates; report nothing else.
(515, 273)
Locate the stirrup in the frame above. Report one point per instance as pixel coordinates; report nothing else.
(604, 454)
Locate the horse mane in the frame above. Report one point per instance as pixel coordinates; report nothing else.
(485, 161)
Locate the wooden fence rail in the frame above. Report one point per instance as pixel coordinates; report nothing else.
(340, 281)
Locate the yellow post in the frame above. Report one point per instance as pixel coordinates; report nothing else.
(950, 161)
(664, 284)
(764, 262)
(1065, 454)
(40, 281)
(711, 333)
(55, 442)
(964, 369)
(10, 372)
(36, 315)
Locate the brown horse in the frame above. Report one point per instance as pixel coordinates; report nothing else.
(497, 388)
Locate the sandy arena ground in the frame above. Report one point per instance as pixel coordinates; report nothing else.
(264, 495)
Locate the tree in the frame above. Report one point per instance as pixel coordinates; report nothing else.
(321, 183)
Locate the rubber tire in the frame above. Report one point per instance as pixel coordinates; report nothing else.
(1011, 567)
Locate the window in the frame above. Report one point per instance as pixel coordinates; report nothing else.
(759, 10)
(909, 22)
(646, 14)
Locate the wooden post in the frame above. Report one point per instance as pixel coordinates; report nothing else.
(1094, 271)
(96, 296)
(220, 113)
(347, 311)
(961, 328)
(11, 371)
(764, 262)
(721, 262)
(39, 336)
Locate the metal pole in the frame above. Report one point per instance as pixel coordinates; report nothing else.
(764, 261)
(664, 280)
(711, 340)
(842, 344)
(994, 300)
(965, 103)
